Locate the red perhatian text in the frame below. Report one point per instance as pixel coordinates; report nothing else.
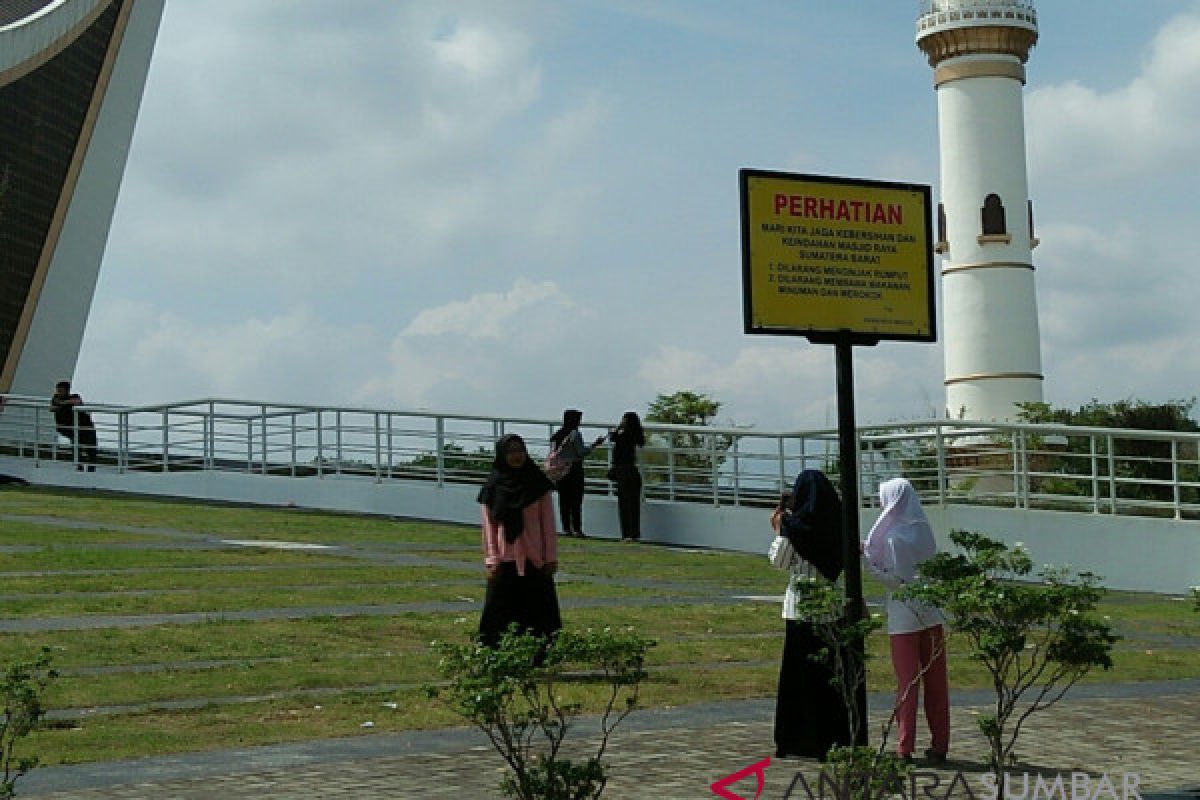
(798, 205)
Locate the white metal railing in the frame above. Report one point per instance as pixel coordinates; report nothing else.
(1101, 470)
(940, 6)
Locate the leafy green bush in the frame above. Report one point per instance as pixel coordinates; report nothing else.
(697, 456)
(1035, 639)
(513, 693)
(22, 689)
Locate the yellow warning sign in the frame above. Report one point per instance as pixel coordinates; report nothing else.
(836, 256)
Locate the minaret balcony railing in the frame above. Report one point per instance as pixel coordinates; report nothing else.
(977, 12)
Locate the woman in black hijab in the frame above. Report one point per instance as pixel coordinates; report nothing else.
(520, 546)
(626, 438)
(810, 715)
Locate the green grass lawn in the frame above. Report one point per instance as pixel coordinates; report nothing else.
(268, 681)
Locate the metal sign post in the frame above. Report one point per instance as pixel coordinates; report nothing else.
(848, 464)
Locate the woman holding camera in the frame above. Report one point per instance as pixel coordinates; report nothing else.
(810, 715)
(627, 437)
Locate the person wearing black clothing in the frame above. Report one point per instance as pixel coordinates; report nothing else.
(626, 438)
(68, 421)
(810, 714)
(569, 441)
(520, 547)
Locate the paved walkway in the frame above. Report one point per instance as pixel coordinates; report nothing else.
(1149, 732)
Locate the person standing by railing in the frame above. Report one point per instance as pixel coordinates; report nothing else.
(75, 425)
(627, 437)
(569, 442)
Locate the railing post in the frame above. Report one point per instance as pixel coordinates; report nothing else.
(378, 448)
(122, 441)
(1175, 476)
(1095, 474)
(320, 446)
(337, 437)
(210, 437)
(265, 449)
(712, 469)
(943, 480)
(166, 441)
(1112, 475)
(859, 464)
(1016, 466)
(440, 444)
(292, 466)
(1026, 479)
(75, 438)
(737, 470)
(249, 447)
(671, 466)
(783, 461)
(390, 453)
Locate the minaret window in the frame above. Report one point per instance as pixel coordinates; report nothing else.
(995, 228)
(993, 216)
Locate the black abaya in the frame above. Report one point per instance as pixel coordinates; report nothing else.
(810, 716)
(529, 600)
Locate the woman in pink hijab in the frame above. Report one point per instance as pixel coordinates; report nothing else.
(899, 541)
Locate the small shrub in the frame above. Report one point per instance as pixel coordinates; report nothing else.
(512, 693)
(859, 772)
(21, 689)
(1036, 640)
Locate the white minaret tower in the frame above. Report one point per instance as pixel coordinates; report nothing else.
(978, 50)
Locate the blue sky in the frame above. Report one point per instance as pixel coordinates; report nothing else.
(510, 208)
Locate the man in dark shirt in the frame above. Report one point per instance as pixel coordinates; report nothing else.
(69, 421)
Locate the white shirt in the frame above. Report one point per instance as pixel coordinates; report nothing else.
(905, 616)
(784, 556)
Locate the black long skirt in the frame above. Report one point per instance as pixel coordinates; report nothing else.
(529, 600)
(810, 716)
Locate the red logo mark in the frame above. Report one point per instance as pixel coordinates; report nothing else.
(758, 770)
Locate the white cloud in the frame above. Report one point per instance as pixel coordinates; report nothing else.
(792, 383)
(492, 315)
(291, 356)
(1116, 314)
(1146, 126)
(492, 350)
(367, 137)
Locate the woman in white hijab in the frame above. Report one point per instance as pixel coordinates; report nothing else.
(900, 540)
